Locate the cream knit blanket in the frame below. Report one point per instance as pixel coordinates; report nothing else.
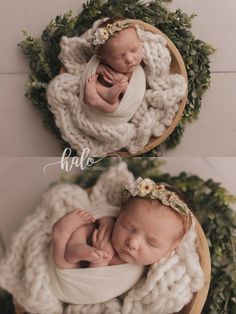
(156, 113)
(168, 286)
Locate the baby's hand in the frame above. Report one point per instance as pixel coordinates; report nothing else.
(101, 240)
(110, 76)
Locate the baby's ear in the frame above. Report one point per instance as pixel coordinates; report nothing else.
(175, 245)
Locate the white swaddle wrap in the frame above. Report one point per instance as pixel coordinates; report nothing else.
(129, 103)
(92, 285)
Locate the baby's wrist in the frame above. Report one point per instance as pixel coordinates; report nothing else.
(106, 219)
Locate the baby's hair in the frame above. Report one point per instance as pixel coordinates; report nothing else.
(186, 219)
(111, 20)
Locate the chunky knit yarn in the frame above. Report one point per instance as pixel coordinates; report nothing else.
(167, 287)
(156, 113)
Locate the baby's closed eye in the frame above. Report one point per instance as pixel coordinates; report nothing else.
(130, 228)
(153, 243)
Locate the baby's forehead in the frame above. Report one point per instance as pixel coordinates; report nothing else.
(151, 211)
(128, 34)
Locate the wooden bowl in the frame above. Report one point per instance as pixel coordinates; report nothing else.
(177, 66)
(195, 306)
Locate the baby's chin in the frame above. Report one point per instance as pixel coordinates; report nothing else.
(126, 70)
(128, 258)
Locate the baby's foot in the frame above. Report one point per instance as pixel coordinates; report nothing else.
(115, 91)
(90, 92)
(73, 220)
(85, 252)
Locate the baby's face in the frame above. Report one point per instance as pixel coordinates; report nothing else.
(143, 234)
(124, 51)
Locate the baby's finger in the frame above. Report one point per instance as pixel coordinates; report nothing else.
(107, 80)
(108, 74)
(101, 232)
(95, 236)
(108, 232)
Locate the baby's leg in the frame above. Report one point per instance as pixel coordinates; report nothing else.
(62, 231)
(78, 250)
(111, 94)
(92, 98)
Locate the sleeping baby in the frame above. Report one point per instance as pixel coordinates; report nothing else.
(115, 64)
(152, 221)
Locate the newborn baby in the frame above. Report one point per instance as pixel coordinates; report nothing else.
(152, 222)
(120, 51)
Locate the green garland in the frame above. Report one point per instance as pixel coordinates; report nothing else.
(43, 53)
(211, 204)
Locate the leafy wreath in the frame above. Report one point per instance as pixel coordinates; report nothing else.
(211, 204)
(45, 65)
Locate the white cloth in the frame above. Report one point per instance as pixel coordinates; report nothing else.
(160, 104)
(92, 285)
(129, 104)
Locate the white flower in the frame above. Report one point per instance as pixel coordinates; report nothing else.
(100, 36)
(103, 33)
(145, 186)
(132, 189)
(109, 27)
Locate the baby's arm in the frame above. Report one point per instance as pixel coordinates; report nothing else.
(62, 231)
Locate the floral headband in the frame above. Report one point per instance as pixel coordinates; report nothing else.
(148, 189)
(102, 34)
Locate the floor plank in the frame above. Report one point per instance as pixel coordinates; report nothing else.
(214, 133)
(29, 17)
(22, 132)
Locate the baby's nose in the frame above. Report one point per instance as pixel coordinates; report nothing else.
(133, 244)
(129, 58)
